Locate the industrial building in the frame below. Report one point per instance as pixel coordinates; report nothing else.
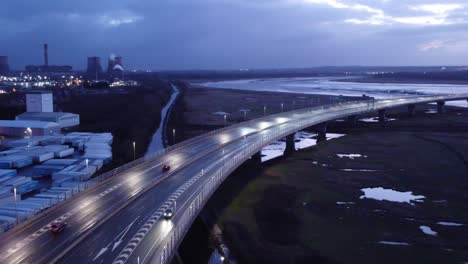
(49, 69)
(46, 67)
(94, 66)
(40, 107)
(40, 118)
(4, 66)
(20, 128)
(115, 68)
(113, 61)
(61, 118)
(39, 101)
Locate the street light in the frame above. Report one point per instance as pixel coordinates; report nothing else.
(173, 136)
(225, 118)
(134, 145)
(264, 110)
(16, 211)
(282, 107)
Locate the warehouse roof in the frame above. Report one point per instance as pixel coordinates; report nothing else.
(27, 123)
(39, 92)
(55, 115)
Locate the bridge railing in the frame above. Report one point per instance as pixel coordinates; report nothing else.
(213, 179)
(376, 105)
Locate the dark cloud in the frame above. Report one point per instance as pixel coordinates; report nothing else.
(203, 34)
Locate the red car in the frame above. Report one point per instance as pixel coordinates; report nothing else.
(57, 227)
(166, 168)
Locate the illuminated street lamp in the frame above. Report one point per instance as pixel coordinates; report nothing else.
(16, 211)
(173, 136)
(225, 119)
(134, 146)
(282, 107)
(264, 110)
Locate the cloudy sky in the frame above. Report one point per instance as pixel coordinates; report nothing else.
(231, 34)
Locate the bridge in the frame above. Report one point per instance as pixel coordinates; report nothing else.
(119, 219)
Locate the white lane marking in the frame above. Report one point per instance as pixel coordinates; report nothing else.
(116, 244)
(122, 234)
(140, 235)
(45, 228)
(102, 251)
(135, 241)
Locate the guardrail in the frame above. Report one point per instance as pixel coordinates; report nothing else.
(380, 103)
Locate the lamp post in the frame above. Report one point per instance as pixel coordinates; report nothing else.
(264, 110)
(173, 136)
(16, 211)
(282, 107)
(225, 119)
(134, 146)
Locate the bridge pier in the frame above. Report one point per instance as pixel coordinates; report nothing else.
(322, 132)
(257, 157)
(411, 110)
(441, 107)
(381, 115)
(290, 146)
(352, 119)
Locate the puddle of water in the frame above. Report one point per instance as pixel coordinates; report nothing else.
(351, 156)
(393, 243)
(460, 103)
(428, 231)
(449, 224)
(273, 151)
(302, 140)
(382, 194)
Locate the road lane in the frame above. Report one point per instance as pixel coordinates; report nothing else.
(142, 208)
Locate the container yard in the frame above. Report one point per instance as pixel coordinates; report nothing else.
(40, 171)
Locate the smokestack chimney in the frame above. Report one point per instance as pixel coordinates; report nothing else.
(46, 55)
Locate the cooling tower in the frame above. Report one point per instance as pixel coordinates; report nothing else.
(94, 66)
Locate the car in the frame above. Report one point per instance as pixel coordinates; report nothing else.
(168, 214)
(57, 227)
(166, 167)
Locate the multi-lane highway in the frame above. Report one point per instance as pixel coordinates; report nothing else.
(120, 219)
